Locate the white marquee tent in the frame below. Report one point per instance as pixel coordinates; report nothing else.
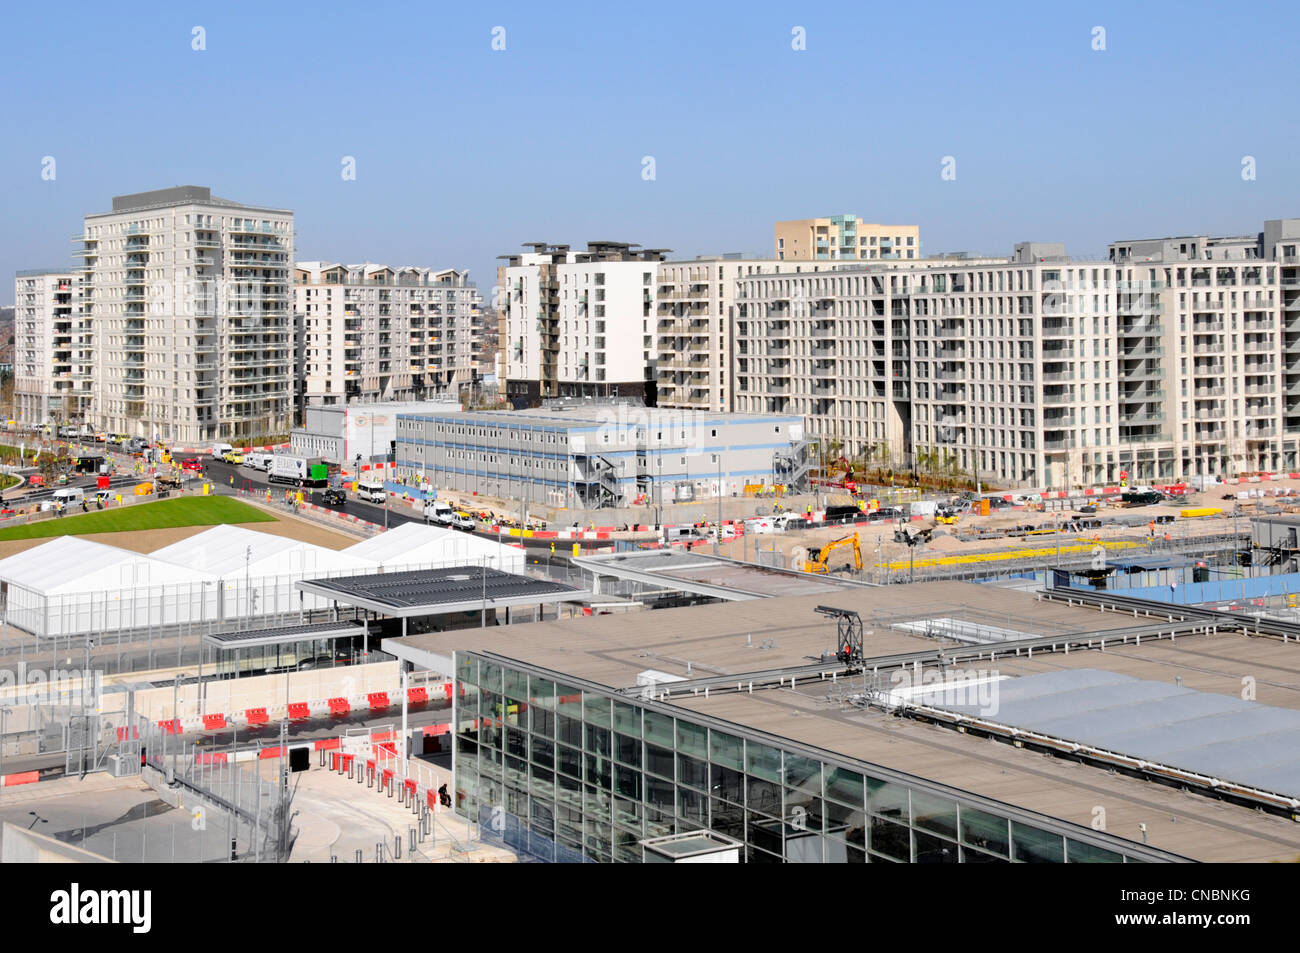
(71, 585)
(266, 565)
(416, 546)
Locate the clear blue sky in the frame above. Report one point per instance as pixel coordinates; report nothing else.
(463, 153)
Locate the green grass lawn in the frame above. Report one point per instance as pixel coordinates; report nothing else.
(7, 480)
(163, 514)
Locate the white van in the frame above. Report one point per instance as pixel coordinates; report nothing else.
(219, 450)
(69, 495)
(371, 492)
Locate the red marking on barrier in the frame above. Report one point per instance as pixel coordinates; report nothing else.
(211, 757)
(389, 746)
(437, 729)
(417, 696)
(213, 722)
(258, 716)
(328, 744)
(378, 700)
(410, 785)
(339, 706)
(134, 733)
(586, 610)
(430, 797)
(299, 710)
(447, 689)
(388, 775)
(171, 725)
(26, 777)
(269, 753)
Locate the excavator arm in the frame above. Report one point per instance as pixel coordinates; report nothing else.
(817, 558)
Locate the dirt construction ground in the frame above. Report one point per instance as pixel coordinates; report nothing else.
(945, 543)
(150, 540)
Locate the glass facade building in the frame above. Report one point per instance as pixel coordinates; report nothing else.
(561, 769)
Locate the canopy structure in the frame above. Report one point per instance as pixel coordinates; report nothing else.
(71, 585)
(258, 570)
(412, 546)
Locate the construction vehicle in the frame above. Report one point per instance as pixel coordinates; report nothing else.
(818, 556)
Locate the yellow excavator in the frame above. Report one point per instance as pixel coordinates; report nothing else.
(818, 556)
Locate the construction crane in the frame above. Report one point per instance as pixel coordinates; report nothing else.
(818, 556)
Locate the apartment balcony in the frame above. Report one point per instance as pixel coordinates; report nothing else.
(1057, 327)
(1262, 367)
(1142, 372)
(1141, 353)
(1200, 369)
(1140, 395)
(823, 331)
(1142, 419)
(1141, 328)
(1058, 443)
(1210, 435)
(947, 375)
(1207, 327)
(1260, 410)
(1054, 350)
(1053, 399)
(1260, 433)
(1255, 326)
(1259, 347)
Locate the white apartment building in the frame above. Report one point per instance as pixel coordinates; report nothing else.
(579, 324)
(53, 349)
(188, 298)
(1039, 370)
(694, 305)
(372, 332)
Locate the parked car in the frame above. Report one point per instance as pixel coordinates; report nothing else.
(101, 437)
(193, 464)
(233, 456)
(334, 497)
(462, 521)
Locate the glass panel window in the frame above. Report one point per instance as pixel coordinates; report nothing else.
(570, 761)
(466, 668)
(728, 819)
(568, 701)
(1033, 846)
(970, 855)
(890, 839)
(595, 710)
(692, 772)
(627, 749)
(985, 831)
(727, 783)
(598, 771)
(659, 729)
(627, 719)
(693, 807)
(1077, 852)
(886, 798)
(659, 760)
(627, 782)
(803, 811)
(844, 785)
(764, 832)
(568, 731)
(935, 814)
(516, 683)
(763, 796)
(763, 761)
(595, 804)
(542, 693)
(598, 740)
(543, 721)
(803, 774)
(692, 739)
(934, 850)
(516, 743)
(847, 822)
(490, 677)
(543, 752)
(726, 750)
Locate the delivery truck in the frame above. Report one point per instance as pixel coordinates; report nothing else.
(297, 471)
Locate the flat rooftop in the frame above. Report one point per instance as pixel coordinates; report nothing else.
(708, 575)
(723, 640)
(435, 591)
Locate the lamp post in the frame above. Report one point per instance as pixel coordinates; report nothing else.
(717, 529)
